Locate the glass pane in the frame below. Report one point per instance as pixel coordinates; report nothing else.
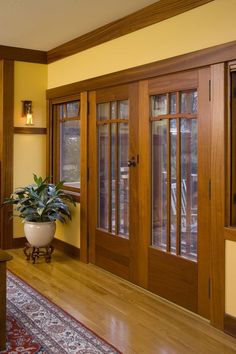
(63, 113)
(103, 176)
(113, 178)
(103, 111)
(188, 101)
(113, 110)
(69, 110)
(159, 183)
(123, 109)
(158, 105)
(72, 109)
(70, 153)
(189, 188)
(173, 195)
(173, 103)
(123, 203)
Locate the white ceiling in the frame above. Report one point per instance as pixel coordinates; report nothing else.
(45, 24)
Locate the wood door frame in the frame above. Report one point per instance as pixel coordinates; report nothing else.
(51, 164)
(6, 149)
(199, 79)
(126, 248)
(211, 56)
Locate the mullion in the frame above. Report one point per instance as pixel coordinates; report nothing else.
(168, 182)
(178, 179)
(109, 177)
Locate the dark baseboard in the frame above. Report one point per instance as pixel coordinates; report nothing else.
(230, 324)
(66, 248)
(18, 242)
(58, 244)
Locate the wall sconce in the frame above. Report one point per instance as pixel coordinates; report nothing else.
(27, 112)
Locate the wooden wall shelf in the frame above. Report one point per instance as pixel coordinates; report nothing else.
(29, 130)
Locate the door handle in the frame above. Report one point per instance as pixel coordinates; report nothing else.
(132, 162)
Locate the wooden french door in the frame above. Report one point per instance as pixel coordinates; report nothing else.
(113, 191)
(178, 108)
(149, 185)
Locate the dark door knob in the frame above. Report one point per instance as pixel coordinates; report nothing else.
(132, 162)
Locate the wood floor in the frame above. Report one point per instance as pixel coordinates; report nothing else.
(130, 318)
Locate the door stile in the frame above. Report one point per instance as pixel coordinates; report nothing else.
(168, 243)
(204, 201)
(92, 147)
(178, 189)
(134, 182)
(144, 184)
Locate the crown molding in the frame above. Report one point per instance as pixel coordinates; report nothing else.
(157, 12)
(22, 54)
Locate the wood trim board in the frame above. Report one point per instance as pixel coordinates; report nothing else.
(6, 149)
(193, 60)
(22, 54)
(149, 15)
(30, 130)
(230, 324)
(62, 246)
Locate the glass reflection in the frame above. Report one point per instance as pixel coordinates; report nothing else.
(173, 194)
(103, 111)
(70, 152)
(189, 188)
(123, 179)
(103, 177)
(189, 101)
(159, 183)
(158, 105)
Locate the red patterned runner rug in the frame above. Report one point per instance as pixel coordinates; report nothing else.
(36, 325)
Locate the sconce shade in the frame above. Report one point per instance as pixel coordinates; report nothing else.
(27, 111)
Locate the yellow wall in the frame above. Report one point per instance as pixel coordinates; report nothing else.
(230, 278)
(29, 150)
(203, 27)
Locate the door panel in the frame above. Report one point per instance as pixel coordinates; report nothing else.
(148, 188)
(114, 144)
(176, 108)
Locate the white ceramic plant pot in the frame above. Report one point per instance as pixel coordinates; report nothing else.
(39, 234)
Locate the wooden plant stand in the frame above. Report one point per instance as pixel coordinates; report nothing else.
(33, 253)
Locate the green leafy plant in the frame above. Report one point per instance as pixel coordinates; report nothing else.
(41, 201)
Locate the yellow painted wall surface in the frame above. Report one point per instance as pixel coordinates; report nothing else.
(203, 27)
(29, 150)
(230, 278)
(29, 158)
(70, 232)
(30, 84)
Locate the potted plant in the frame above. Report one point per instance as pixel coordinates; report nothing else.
(40, 205)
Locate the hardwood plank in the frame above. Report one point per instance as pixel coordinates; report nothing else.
(29, 130)
(147, 16)
(193, 60)
(132, 319)
(218, 116)
(22, 54)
